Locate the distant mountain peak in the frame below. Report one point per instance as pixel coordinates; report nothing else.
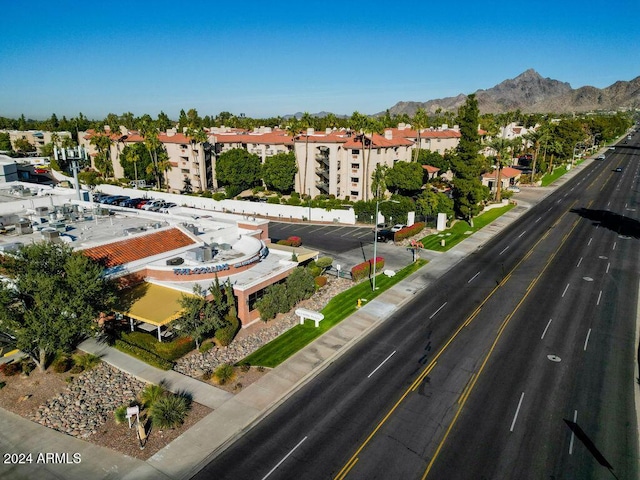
(529, 92)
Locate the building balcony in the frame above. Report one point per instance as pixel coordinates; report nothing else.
(323, 186)
(324, 159)
(323, 173)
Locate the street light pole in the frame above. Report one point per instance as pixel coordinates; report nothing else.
(375, 240)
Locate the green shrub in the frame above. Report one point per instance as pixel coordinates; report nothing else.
(224, 373)
(86, 361)
(2, 385)
(120, 414)
(226, 334)
(144, 355)
(151, 394)
(273, 200)
(76, 369)
(175, 349)
(320, 281)
(27, 366)
(218, 196)
(257, 189)
(169, 411)
(295, 201)
(206, 346)
(206, 376)
(61, 364)
(324, 262)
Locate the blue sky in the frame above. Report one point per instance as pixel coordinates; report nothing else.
(276, 58)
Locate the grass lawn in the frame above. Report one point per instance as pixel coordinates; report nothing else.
(553, 176)
(339, 308)
(462, 230)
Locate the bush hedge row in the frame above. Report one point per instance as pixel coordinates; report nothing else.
(170, 351)
(363, 270)
(409, 231)
(144, 355)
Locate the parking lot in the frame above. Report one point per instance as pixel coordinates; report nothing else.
(347, 245)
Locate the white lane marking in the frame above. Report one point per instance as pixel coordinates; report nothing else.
(436, 312)
(586, 340)
(515, 417)
(473, 278)
(505, 249)
(608, 265)
(608, 203)
(599, 297)
(614, 245)
(545, 329)
(537, 220)
(522, 234)
(565, 290)
(575, 418)
(383, 362)
(589, 241)
(579, 262)
(285, 457)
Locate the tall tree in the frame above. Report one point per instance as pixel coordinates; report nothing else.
(102, 142)
(379, 181)
(198, 316)
(279, 171)
(238, 169)
(54, 298)
(306, 123)
(504, 148)
(420, 121)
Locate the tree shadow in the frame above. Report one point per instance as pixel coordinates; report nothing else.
(587, 442)
(624, 226)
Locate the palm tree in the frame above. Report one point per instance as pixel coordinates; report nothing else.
(373, 126)
(420, 121)
(306, 123)
(132, 156)
(151, 141)
(504, 148)
(537, 137)
(103, 143)
(197, 136)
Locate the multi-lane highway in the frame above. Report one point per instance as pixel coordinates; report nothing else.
(518, 363)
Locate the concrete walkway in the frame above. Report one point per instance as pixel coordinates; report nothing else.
(235, 414)
(203, 393)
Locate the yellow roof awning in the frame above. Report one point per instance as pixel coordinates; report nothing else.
(151, 303)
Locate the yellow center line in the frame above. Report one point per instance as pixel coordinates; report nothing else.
(489, 353)
(347, 467)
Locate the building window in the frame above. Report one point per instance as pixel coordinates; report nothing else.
(184, 170)
(355, 151)
(354, 193)
(354, 179)
(338, 164)
(338, 192)
(355, 165)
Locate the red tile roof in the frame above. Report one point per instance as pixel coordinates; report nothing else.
(426, 133)
(378, 141)
(139, 247)
(507, 172)
(273, 138)
(431, 169)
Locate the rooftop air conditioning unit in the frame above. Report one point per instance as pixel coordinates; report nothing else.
(50, 234)
(23, 226)
(175, 261)
(10, 247)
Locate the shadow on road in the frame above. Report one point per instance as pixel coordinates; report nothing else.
(586, 441)
(620, 224)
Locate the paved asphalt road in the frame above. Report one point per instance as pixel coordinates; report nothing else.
(459, 383)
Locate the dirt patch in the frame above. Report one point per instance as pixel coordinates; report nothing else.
(123, 439)
(39, 386)
(24, 395)
(240, 379)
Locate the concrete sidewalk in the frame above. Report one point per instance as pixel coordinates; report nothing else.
(234, 414)
(203, 393)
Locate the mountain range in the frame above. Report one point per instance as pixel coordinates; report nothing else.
(529, 92)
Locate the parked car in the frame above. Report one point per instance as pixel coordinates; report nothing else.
(40, 170)
(112, 200)
(119, 202)
(97, 197)
(142, 203)
(131, 203)
(167, 206)
(618, 169)
(397, 227)
(154, 205)
(513, 188)
(385, 235)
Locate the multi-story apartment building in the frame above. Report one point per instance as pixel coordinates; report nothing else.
(340, 162)
(433, 139)
(37, 138)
